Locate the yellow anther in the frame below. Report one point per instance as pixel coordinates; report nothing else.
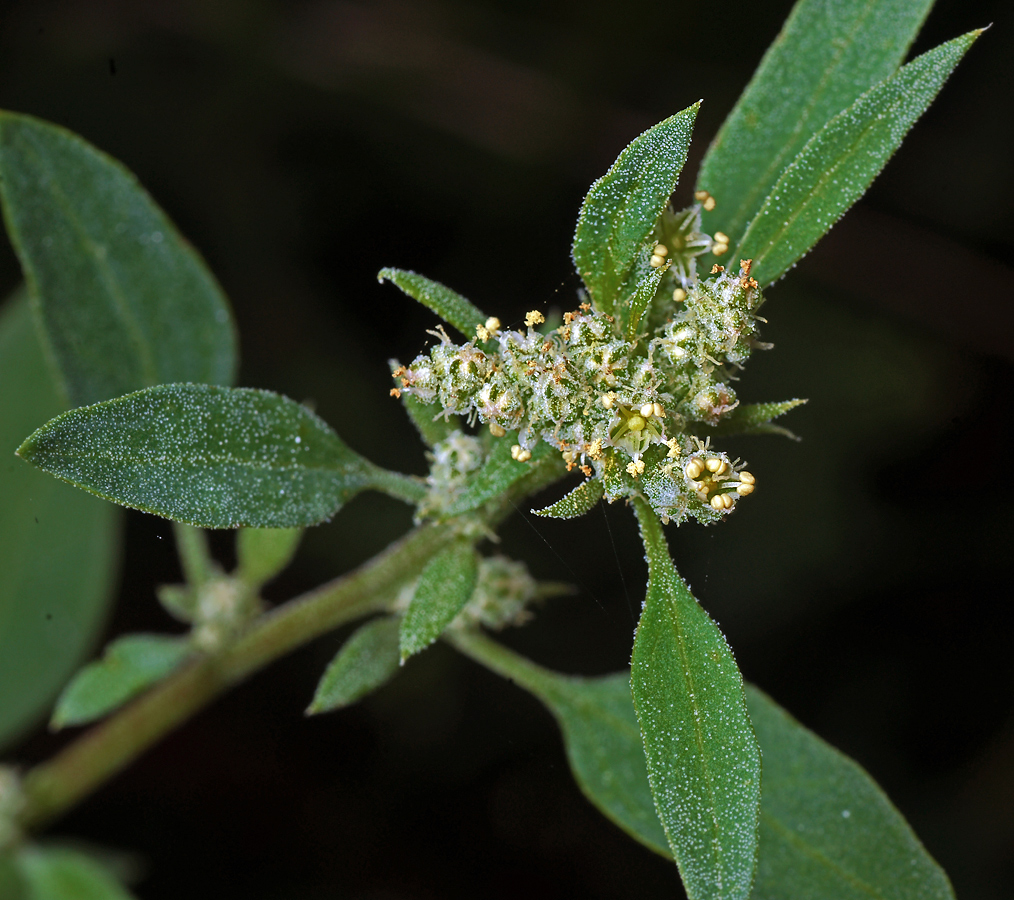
(694, 469)
(709, 204)
(721, 501)
(534, 318)
(679, 295)
(636, 467)
(497, 431)
(482, 332)
(595, 449)
(745, 489)
(655, 261)
(747, 478)
(716, 466)
(648, 409)
(520, 454)
(674, 448)
(493, 323)
(701, 195)
(607, 400)
(721, 237)
(636, 423)
(660, 250)
(719, 249)
(657, 410)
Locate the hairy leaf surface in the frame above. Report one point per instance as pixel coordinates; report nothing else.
(204, 455)
(444, 587)
(129, 665)
(622, 207)
(58, 546)
(826, 55)
(497, 474)
(756, 418)
(839, 162)
(579, 501)
(126, 302)
(449, 305)
(366, 661)
(704, 764)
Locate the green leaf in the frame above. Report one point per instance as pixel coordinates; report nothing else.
(126, 302)
(449, 305)
(497, 474)
(828, 832)
(129, 665)
(64, 874)
(840, 161)
(444, 587)
(826, 56)
(600, 731)
(579, 501)
(643, 294)
(58, 546)
(209, 456)
(755, 418)
(704, 764)
(264, 552)
(366, 661)
(622, 207)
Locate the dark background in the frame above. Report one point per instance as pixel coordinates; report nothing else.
(301, 147)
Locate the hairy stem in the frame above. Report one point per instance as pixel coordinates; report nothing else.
(54, 786)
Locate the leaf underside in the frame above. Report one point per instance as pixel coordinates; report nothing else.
(583, 499)
(444, 587)
(449, 305)
(366, 661)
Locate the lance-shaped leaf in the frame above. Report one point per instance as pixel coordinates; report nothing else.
(443, 589)
(621, 208)
(125, 301)
(366, 661)
(209, 456)
(59, 873)
(828, 832)
(579, 501)
(840, 161)
(809, 850)
(704, 764)
(261, 553)
(600, 732)
(497, 474)
(448, 304)
(643, 294)
(826, 56)
(129, 665)
(755, 418)
(58, 546)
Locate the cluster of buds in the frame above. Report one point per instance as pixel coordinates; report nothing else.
(626, 410)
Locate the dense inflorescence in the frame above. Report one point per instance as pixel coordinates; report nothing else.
(625, 408)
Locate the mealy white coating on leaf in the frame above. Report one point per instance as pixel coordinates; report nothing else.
(444, 587)
(621, 208)
(839, 162)
(205, 455)
(702, 755)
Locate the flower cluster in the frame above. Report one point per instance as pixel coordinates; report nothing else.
(625, 409)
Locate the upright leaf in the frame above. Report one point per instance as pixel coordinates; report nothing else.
(444, 587)
(366, 661)
(126, 302)
(209, 456)
(129, 665)
(704, 764)
(622, 207)
(826, 56)
(838, 163)
(756, 418)
(448, 304)
(639, 301)
(58, 546)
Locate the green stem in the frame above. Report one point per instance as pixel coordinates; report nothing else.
(195, 558)
(56, 785)
(395, 484)
(500, 659)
